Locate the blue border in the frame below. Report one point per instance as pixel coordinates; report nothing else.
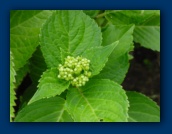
(166, 47)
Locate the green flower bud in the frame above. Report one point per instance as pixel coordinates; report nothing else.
(89, 74)
(75, 70)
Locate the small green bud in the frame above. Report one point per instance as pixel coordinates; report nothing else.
(89, 74)
(75, 70)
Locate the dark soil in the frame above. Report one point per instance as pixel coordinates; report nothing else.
(144, 73)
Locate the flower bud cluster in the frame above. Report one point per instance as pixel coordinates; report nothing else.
(75, 70)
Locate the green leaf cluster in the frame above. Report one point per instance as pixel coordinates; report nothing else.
(147, 25)
(40, 41)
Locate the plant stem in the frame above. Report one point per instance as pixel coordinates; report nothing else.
(100, 15)
(105, 13)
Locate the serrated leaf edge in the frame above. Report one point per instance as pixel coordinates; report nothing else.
(127, 101)
(145, 97)
(148, 98)
(14, 93)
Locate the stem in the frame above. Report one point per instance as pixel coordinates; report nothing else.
(105, 13)
(100, 15)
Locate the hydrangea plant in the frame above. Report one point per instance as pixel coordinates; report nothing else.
(77, 61)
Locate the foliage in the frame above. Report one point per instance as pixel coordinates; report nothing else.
(77, 61)
(12, 87)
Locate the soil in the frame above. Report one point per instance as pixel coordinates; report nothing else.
(144, 73)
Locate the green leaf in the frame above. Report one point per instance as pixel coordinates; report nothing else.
(12, 87)
(24, 33)
(115, 69)
(137, 17)
(37, 65)
(21, 73)
(49, 85)
(123, 34)
(73, 31)
(98, 100)
(91, 13)
(27, 95)
(148, 36)
(118, 64)
(147, 25)
(45, 110)
(98, 57)
(142, 108)
(64, 54)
